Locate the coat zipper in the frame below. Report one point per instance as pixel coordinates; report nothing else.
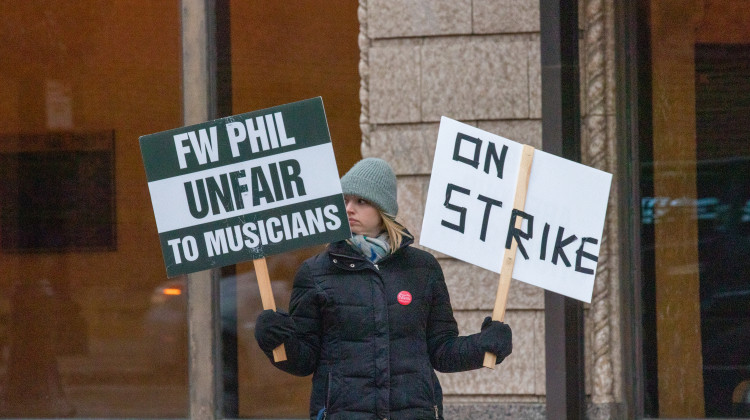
(328, 391)
(432, 392)
(328, 397)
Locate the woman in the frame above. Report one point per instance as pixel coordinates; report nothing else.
(371, 318)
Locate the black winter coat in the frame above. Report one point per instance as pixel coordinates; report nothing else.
(372, 357)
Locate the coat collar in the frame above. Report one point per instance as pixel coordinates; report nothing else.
(344, 255)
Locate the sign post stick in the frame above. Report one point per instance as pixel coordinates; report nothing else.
(266, 296)
(509, 257)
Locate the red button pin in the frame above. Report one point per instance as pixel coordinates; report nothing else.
(404, 297)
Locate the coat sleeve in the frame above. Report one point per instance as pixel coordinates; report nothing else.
(303, 349)
(449, 352)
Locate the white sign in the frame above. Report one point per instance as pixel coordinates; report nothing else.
(469, 211)
(243, 187)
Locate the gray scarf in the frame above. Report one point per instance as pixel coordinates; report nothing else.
(374, 249)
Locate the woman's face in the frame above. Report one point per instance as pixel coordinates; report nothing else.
(364, 218)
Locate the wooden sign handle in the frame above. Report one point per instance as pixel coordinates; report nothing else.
(509, 257)
(266, 296)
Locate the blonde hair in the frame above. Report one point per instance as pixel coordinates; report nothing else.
(396, 231)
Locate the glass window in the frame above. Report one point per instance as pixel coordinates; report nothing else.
(285, 52)
(90, 326)
(695, 224)
(723, 213)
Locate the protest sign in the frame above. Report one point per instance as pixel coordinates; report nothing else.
(243, 187)
(489, 194)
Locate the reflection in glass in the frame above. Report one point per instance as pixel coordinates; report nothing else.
(723, 178)
(79, 251)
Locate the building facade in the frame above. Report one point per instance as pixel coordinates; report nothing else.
(480, 62)
(90, 326)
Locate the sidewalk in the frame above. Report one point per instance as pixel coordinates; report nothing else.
(116, 379)
(109, 361)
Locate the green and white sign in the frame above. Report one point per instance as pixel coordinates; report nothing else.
(243, 187)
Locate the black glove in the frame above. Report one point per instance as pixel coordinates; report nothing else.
(272, 328)
(497, 338)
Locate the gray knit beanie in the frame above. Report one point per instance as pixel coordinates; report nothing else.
(374, 180)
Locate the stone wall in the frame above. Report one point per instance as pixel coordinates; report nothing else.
(478, 61)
